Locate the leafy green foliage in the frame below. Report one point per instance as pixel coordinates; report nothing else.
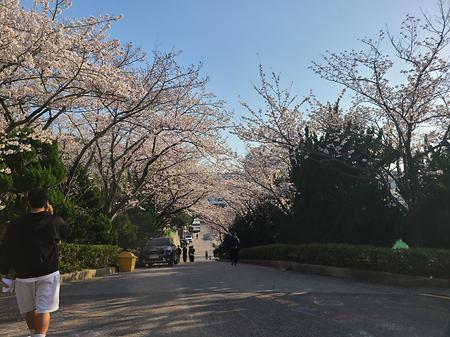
(259, 226)
(76, 257)
(337, 197)
(181, 219)
(143, 223)
(414, 261)
(88, 224)
(39, 167)
(125, 232)
(434, 212)
(32, 163)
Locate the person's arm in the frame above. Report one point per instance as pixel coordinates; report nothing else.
(60, 227)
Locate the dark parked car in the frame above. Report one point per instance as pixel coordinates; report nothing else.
(158, 250)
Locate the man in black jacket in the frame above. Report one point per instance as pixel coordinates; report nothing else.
(30, 249)
(234, 249)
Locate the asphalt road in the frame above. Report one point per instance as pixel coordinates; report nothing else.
(217, 300)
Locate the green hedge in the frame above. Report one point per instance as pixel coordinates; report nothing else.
(76, 257)
(415, 261)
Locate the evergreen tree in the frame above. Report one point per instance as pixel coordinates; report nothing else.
(338, 198)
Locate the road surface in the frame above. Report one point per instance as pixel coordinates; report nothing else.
(215, 299)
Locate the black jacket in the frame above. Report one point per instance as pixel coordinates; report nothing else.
(30, 245)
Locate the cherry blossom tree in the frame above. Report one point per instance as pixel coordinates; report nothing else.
(285, 134)
(170, 176)
(280, 123)
(50, 67)
(154, 93)
(412, 109)
(145, 130)
(272, 134)
(181, 125)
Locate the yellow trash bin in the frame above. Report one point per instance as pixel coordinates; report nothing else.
(126, 261)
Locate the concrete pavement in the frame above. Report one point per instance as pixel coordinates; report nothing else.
(218, 300)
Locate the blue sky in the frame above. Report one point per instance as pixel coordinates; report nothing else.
(231, 37)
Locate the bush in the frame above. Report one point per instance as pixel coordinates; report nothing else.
(415, 261)
(76, 257)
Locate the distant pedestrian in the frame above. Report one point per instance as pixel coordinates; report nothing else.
(191, 254)
(179, 252)
(234, 249)
(185, 251)
(30, 248)
(206, 255)
(173, 255)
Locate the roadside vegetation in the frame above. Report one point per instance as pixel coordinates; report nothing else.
(76, 257)
(131, 145)
(415, 261)
(368, 169)
(124, 141)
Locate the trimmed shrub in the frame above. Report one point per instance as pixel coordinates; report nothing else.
(76, 257)
(415, 261)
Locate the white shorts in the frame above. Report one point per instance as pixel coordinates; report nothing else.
(40, 294)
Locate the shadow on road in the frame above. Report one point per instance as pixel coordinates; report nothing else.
(212, 299)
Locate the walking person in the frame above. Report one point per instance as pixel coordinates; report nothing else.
(30, 248)
(206, 255)
(191, 254)
(179, 252)
(184, 254)
(173, 255)
(234, 249)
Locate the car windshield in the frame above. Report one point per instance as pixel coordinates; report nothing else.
(159, 242)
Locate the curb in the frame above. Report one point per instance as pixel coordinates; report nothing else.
(354, 274)
(87, 274)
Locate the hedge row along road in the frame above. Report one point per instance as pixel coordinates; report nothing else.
(207, 299)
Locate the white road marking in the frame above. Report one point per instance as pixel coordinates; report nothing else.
(298, 293)
(436, 296)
